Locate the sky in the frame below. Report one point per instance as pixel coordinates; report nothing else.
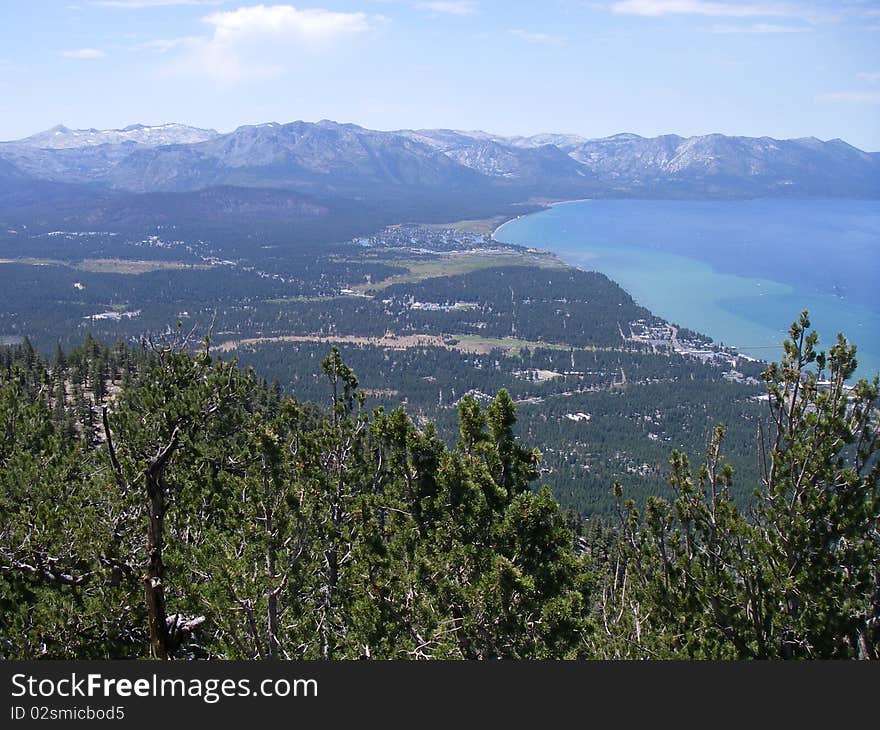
(756, 68)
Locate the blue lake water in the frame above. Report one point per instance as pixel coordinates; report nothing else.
(738, 271)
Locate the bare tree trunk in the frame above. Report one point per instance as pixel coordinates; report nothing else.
(273, 625)
(331, 558)
(271, 569)
(154, 588)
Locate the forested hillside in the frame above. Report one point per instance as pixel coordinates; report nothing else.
(426, 315)
(162, 501)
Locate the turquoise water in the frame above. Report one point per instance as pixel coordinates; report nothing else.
(738, 271)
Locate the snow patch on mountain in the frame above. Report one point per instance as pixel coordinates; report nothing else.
(61, 137)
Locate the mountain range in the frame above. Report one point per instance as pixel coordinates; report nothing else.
(348, 161)
(60, 137)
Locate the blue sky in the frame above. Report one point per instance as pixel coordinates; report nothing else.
(783, 69)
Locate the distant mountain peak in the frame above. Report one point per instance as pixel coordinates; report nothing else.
(628, 135)
(62, 137)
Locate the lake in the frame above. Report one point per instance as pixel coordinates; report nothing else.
(738, 271)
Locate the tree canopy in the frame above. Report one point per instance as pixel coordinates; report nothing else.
(163, 502)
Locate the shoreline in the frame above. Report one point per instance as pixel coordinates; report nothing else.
(546, 206)
(718, 349)
(509, 220)
(758, 349)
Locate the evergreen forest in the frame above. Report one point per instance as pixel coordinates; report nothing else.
(165, 501)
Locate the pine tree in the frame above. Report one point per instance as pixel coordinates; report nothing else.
(799, 577)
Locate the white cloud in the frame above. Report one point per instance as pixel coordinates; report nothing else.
(656, 8)
(163, 45)
(686, 7)
(531, 37)
(284, 21)
(872, 77)
(84, 53)
(151, 3)
(451, 7)
(758, 28)
(850, 97)
(259, 41)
